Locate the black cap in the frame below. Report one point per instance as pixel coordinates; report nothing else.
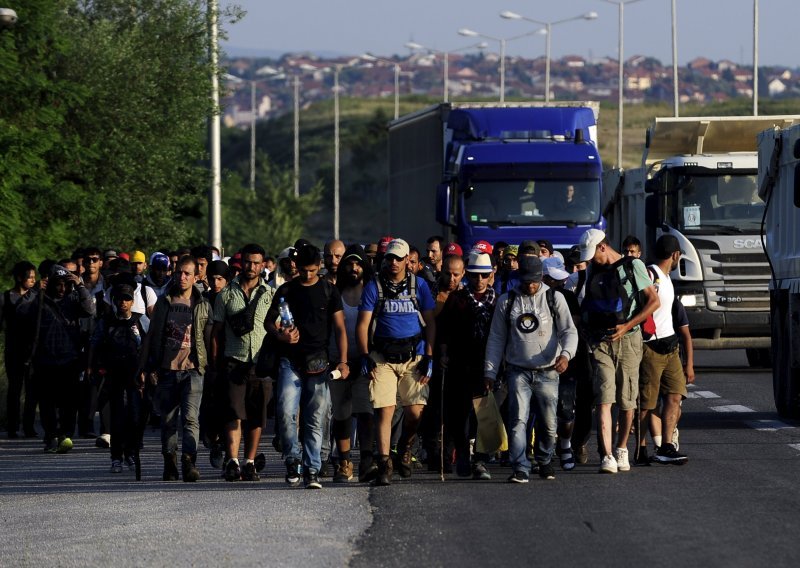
(530, 269)
(528, 247)
(122, 291)
(218, 268)
(355, 251)
(666, 246)
(545, 244)
(58, 271)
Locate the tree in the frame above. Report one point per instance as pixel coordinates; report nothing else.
(272, 216)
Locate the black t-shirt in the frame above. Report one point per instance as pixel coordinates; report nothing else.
(312, 308)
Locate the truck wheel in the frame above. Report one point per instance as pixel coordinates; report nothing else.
(785, 380)
(759, 358)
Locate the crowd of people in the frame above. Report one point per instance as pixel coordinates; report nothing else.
(447, 358)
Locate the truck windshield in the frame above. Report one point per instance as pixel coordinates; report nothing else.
(532, 202)
(710, 202)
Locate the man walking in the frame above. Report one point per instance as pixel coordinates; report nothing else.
(532, 331)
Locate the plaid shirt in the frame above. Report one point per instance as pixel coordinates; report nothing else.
(232, 301)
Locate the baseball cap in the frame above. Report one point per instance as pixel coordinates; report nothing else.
(354, 251)
(511, 250)
(138, 256)
(483, 246)
(453, 249)
(384, 243)
(236, 261)
(479, 262)
(530, 269)
(529, 247)
(588, 243)
(125, 256)
(159, 261)
(285, 253)
(398, 248)
(666, 245)
(545, 244)
(554, 268)
(124, 291)
(109, 254)
(58, 271)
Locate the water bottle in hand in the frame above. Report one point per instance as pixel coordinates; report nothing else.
(287, 320)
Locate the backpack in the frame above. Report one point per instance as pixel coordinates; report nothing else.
(606, 303)
(379, 305)
(649, 325)
(122, 342)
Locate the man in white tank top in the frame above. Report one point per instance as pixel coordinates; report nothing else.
(661, 370)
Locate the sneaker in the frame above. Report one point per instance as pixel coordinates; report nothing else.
(668, 454)
(116, 466)
(64, 445)
(385, 469)
(608, 465)
(479, 471)
(170, 467)
(546, 471)
(130, 463)
(581, 455)
(188, 469)
(621, 455)
(642, 459)
(344, 472)
(216, 456)
(312, 481)
(567, 459)
(232, 470)
(51, 446)
(250, 472)
(675, 436)
(404, 465)
(518, 477)
(260, 462)
(293, 473)
(103, 441)
(367, 471)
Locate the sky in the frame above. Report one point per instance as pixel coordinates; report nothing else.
(717, 29)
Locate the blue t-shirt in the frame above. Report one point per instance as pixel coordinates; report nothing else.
(398, 318)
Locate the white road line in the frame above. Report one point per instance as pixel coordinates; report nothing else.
(768, 425)
(702, 394)
(795, 446)
(731, 408)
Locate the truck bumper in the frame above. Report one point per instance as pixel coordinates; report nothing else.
(729, 329)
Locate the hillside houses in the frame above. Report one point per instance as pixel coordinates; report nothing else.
(476, 75)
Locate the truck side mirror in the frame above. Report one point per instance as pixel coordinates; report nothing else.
(651, 216)
(797, 185)
(443, 204)
(651, 185)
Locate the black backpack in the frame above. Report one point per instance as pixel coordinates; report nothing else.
(382, 297)
(122, 342)
(606, 302)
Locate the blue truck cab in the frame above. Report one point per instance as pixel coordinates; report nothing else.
(496, 172)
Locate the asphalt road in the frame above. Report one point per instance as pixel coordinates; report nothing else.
(736, 503)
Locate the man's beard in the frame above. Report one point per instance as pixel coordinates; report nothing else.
(354, 279)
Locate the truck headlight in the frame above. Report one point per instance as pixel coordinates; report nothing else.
(689, 300)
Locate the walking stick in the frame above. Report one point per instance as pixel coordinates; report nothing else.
(441, 428)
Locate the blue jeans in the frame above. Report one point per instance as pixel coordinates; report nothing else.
(179, 390)
(308, 395)
(542, 387)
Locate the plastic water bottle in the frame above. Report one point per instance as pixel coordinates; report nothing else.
(287, 320)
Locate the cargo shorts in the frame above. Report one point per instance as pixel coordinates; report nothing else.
(396, 383)
(615, 378)
(661, 374)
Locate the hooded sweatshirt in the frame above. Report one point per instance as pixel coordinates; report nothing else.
(529, 339)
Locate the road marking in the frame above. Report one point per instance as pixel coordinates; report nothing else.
(768, 425)
(795, 446)
(731, 408)
(702, 394)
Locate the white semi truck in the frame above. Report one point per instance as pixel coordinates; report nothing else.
(698, 181)
(779, 187)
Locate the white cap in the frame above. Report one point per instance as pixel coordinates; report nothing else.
(588, 243)
(398, 248)
(554, 268)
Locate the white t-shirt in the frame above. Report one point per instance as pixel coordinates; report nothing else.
(666, 294)
(138, 304)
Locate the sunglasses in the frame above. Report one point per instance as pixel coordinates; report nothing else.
(93, 259)
(393, 258)
(480, 275)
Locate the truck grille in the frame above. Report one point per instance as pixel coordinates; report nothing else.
(739, 268)
(742, 299)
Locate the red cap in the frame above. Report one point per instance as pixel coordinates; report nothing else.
(125, 255)
(483, 247)
(383, 244)
(453, 248)
(236, 260)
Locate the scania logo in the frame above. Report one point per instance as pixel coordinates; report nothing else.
(747, 244)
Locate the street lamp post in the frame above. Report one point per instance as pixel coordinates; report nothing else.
(370, 57)
(336, 70)
(755, 57)
(503, 41)
(508, 15)
(214, 194)
(446, 60)
(675, 95)
(621, 87)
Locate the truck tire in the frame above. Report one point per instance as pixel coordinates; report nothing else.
(759, 358)
(785, 379)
